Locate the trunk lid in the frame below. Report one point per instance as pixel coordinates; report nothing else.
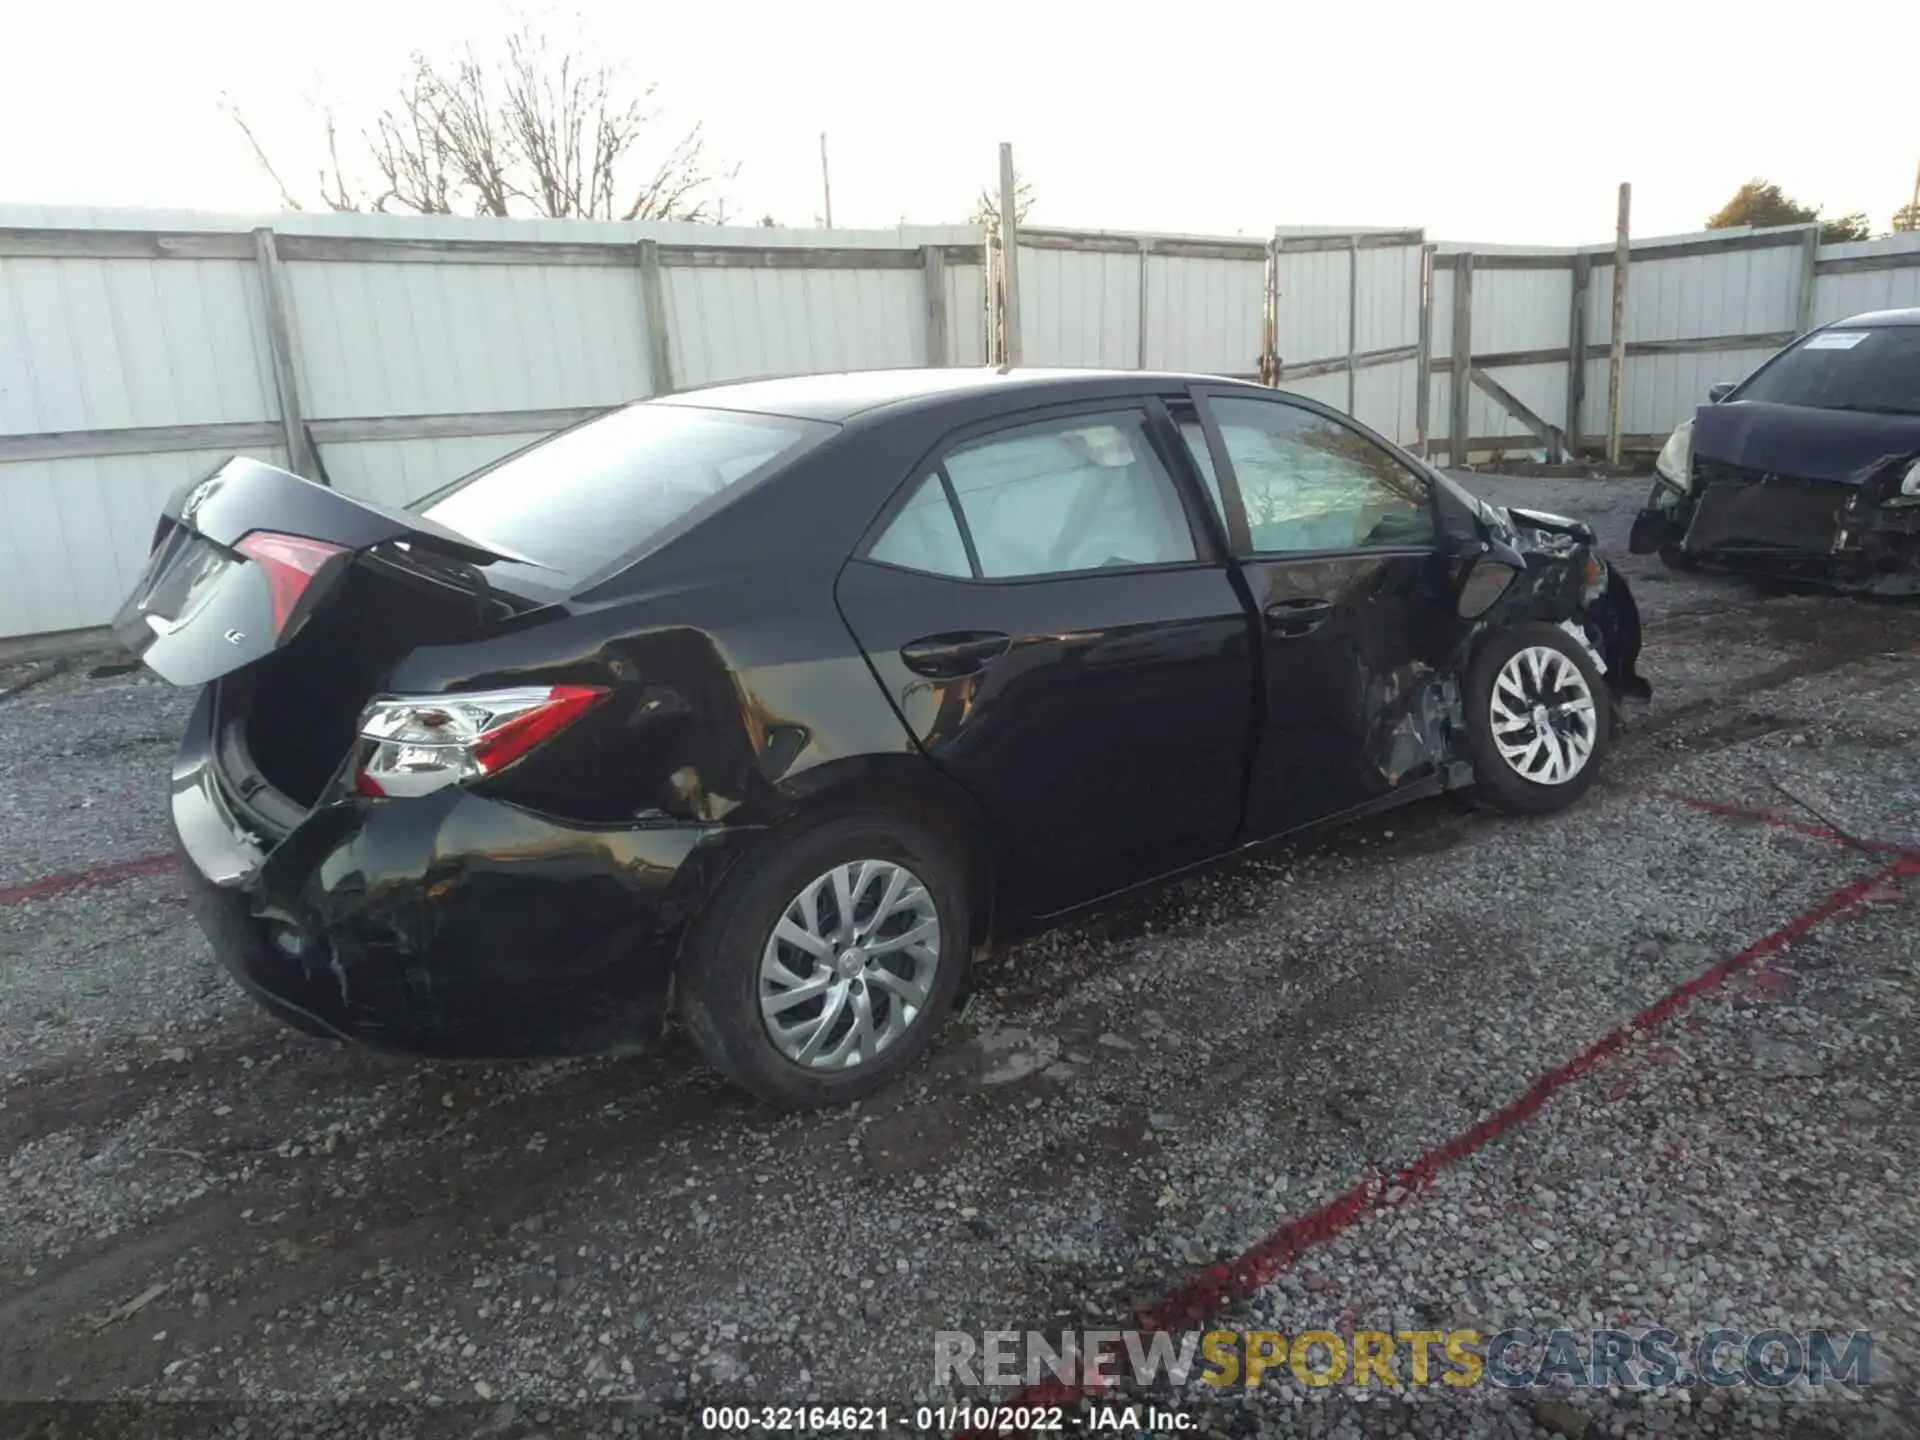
(204, 607)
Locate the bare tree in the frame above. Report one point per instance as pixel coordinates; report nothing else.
(330, 184)
(232, 112)
(532, 128)
(986, 209)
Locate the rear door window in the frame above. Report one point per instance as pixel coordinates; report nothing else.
(576, 503)
(924, 535)
(1085, 492)
(1875, 369)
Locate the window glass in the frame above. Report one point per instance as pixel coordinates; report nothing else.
(1311, 483)
(924, 535)
(579, 501)
(1875, 370)
(1081, 493)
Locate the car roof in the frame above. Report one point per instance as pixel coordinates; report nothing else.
(842, 397)
(1879, 317)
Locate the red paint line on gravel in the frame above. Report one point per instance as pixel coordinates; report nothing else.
(110, 874)
(1780, 822)
(1212, 1289)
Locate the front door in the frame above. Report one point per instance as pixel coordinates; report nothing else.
(1051, 615)
(1337, 537)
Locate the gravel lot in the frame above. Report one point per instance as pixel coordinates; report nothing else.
(199, 1206)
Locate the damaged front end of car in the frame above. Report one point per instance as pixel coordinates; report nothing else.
(1535, 565)
(1878, 543)
(1790, 507)
(1861, 535)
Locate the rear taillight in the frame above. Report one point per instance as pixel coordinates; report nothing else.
(290, 563)
(423, 743)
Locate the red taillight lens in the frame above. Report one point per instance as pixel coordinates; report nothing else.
(289, 562)
(499, 747)
(424, 743)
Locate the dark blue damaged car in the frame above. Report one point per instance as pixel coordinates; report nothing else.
(1809, 469)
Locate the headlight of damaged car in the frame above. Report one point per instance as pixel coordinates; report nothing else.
(1675, 463)
(1909, 486)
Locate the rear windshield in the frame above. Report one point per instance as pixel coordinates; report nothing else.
(577, 502)
(1876, 370)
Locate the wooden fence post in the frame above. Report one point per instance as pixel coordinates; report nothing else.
(1270, 316)
(933, 272)
(1809, 275)
(286, 362)
(1577, 349)
(1423, 375)
(1009, 257)
(1460, 373)
(653, 297)
(1140, 362)
(1617, 341)
(1353, 318)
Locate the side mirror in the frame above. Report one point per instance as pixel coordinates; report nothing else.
(1717, 393)
(1484, 578)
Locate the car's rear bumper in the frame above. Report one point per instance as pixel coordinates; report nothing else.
(450, 924)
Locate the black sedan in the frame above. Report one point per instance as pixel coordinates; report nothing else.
(770, 705)
(1809, 469)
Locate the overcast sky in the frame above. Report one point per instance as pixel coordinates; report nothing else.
(1481, 120)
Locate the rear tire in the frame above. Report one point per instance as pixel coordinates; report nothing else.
(1539, 720)
(835, 1006)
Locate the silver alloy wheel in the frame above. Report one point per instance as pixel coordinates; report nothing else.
(850, 964)
(1543, 716)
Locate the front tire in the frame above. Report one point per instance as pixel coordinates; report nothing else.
(827, 962)
(1540, 720)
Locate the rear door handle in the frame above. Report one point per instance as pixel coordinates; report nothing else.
(958, 653)
(1289, 618)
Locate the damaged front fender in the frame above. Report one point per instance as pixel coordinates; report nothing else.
(1570, 584)
(1615, 615)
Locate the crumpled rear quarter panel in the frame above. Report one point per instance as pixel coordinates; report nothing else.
(457, 925)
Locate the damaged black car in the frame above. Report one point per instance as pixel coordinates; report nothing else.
(1807, 470)
(767, 707)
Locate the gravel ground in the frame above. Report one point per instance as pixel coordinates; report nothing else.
(199, 1206)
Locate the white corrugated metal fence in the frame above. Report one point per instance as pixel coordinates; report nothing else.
(140, 348)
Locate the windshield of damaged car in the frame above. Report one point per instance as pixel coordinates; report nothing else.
(581, 500)
(1874, 370)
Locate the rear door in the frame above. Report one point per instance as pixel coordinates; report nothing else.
(244, 557)
(1337, 538)
(1054, 619)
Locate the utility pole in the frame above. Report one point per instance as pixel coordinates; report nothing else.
(1617, 349)
(826, 185)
